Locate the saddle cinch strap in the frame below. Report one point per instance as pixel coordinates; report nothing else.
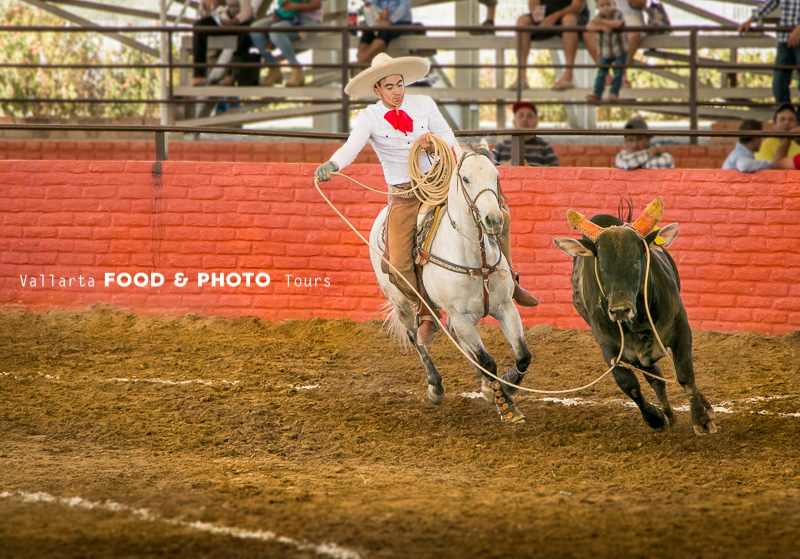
(484, 271)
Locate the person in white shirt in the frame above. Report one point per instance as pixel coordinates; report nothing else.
(393, 125)
(743, 158)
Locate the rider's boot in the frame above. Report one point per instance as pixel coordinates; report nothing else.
(426, 325)
(521, 296)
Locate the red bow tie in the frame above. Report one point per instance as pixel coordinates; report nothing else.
(400, 121)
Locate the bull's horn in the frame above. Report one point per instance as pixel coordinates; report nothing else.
(577, 221)
(652, 215)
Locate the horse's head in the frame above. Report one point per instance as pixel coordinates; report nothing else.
(476, 181)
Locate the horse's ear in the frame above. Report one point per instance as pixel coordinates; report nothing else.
(484, 144)
(457, 150)
(575, 247)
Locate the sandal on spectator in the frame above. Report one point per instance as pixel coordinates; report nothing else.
(593, 98)
(199, 81)
(562, 84)
(227, 80)
(613, 98)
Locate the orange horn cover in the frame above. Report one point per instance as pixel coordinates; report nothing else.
(652, 215)
(577, 221)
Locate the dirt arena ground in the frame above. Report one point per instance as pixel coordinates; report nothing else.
(125, 436)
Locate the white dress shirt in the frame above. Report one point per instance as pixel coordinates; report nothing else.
(393, 146)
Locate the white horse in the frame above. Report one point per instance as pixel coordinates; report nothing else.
(454, 280)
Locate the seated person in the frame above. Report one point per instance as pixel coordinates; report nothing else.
(785, 119)
(639, 154)
(742, 158)
(538, 153)
(238, 12)
(390, 12)
(612, 48)
(568, 13)
(783, 159)
(633, 14)
(300, 13)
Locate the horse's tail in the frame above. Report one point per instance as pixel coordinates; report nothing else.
(394, 326)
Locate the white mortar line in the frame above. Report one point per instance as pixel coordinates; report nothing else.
(326, 549)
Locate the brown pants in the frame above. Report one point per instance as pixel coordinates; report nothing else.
(400, 225)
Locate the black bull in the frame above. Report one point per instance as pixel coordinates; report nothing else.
(608, 275)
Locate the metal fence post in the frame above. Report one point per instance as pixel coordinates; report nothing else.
(161, 146)
(693, 84)
(345, 125)
(517, 151)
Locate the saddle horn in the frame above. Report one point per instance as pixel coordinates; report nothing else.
(651, 215)
(579, 222)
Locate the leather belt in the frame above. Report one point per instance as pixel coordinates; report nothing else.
(401, 190)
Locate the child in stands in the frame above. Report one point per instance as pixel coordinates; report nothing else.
(612, 47)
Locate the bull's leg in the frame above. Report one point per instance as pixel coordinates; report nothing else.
(627, 381)
(511, 325)
(660, 388)
(468, 336)
(702, 412)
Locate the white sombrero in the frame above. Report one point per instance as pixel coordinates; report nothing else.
(412, 68)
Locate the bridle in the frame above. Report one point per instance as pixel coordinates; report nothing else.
(485, 270)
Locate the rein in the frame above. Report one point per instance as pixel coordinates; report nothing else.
(618, 361)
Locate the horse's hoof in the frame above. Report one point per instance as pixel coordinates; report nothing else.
(436, 394)
(707, 429)
(512, 416)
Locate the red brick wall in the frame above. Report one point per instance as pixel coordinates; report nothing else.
(738, 251)
(686, 157)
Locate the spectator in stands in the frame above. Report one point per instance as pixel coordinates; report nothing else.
(390, 12)
(491, 7)
(612, 48)
(742, 157)
(639, 154)
(785, 119)
(782, 158)
(633, 15)
(303, 13)
(786, 54)
(546, 13)
(215, 13)
(538, 153)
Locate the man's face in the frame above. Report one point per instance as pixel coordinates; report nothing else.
(525, 119)
(637, 143)
(393, 89)
(785, 120)
(605, 7)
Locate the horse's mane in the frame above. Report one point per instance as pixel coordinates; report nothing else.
(480, 150)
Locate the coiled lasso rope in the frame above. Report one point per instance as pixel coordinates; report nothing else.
(432, 187)
(415, 150)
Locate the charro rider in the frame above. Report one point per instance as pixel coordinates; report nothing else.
(393, 124)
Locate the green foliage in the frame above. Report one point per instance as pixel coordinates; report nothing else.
(38, 48)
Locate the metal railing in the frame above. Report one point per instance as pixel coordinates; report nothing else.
(169, 98)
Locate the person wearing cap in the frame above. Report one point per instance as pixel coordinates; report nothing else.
(785, 119)
(639, 154)
(742, 157)
(392, 125)
(538, 153)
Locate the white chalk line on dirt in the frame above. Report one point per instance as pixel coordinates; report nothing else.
(325, 549)
(724, 407)
(166, 382)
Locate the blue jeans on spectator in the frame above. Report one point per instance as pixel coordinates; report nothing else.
(602, 72)
(782, 79)
(282, 41)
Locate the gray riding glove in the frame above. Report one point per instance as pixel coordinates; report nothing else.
(325, 171)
